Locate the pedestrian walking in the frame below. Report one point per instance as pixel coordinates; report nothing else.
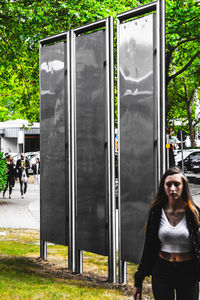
(11, 175)
(171, 251)
(22, 167)
(14, 171)
(36, 171)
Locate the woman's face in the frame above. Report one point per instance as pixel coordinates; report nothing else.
(173, 186)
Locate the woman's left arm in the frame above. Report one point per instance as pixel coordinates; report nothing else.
(150, 250)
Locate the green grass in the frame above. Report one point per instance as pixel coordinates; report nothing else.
(23, 275)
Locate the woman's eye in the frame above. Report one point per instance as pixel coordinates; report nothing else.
(169, 184)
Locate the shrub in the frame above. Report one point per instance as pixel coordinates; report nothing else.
(3, 173)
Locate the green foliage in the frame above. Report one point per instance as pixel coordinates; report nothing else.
(181, 92)
(182, 60)
(25, 22)
(3, 174)
(182, 35)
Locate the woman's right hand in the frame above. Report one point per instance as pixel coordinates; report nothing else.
(137, 293)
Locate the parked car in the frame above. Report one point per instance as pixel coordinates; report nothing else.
(195, 164)
(188, 157)
(186, 152)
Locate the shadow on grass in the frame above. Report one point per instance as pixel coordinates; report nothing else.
(34, 269)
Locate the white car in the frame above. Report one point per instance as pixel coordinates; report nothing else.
(31, 156)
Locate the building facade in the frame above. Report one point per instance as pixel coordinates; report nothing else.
(19, 136)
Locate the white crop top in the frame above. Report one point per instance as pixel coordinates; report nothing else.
(174, 239)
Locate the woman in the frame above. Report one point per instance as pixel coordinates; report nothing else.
(36, 171)
(171, 251)
(11, 175)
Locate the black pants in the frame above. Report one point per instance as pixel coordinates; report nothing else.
(23, 186)
(10, 187)
(168, 277)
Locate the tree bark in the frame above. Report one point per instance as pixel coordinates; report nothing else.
(191, 128)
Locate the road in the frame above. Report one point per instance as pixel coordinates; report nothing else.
(195, 191)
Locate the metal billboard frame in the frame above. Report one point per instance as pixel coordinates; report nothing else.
(77, 255)
(159, 7)
(65, 36)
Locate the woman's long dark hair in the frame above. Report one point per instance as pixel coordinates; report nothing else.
(161, 197)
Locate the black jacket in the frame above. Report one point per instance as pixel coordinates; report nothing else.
(152, 243)
(34, 168)
(10, 172)
(20, 167)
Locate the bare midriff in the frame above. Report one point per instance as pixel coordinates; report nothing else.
(176, 257)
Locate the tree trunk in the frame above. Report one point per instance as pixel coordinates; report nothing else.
(191, 128)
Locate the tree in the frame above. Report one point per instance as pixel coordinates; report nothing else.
(182, 60)
(23, 24)
(3, 174)
(183, 106)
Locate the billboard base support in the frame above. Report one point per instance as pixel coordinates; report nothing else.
(122, 272)
(43, 249)
(79, 261)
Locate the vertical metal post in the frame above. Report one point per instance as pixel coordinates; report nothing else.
(121, 264)
(43, 244)
(77, 255)
(69, 125)
(156, 124)
(43, 249)
(161, 13)
(158, 50)
(72, 173)
(122, 271)
(79, 261)
(111, 150)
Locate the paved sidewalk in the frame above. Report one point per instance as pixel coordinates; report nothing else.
(18, 212)
(25, 213)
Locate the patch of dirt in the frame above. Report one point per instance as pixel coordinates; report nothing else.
(2, 202)
(59, 270)
(87, 278)
(56, 267)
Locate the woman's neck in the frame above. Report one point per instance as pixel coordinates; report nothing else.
(176, 204)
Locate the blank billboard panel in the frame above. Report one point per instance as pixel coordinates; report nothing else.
(54, 178)
(137, 126)
(91, 148)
